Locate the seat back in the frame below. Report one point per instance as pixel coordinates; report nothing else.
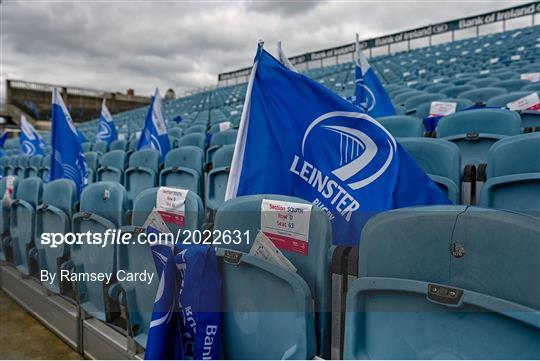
(138, 258)
(119, 144)
(34, 165)
(413, 102)
(22, 164)
(502, 100)
(54, 216)
(112, 165)
(23, 213)
(402, 125)
(512, 85)
(142, 172)
(513, 174)
(45, 166)
(482, 95)
(195, 139)
(440, 159)
(403, 296)
(100, 147)
(422, 110)
(102, 207)
(454, 91)
(195, 129)
(183, 168)
(244, 214)
(219, 176)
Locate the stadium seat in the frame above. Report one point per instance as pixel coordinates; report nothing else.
(474, 131)
(139, 297)
(413, 102)
(34, 166)
(481, 95)
(218, 140)
(402, 125)
(183, 169)
(511, 85)
(176, 133)
(13, 162)
(280, 326)
(100, 147)
(44, 169)
(461, 297)
(142, 172)
(440, 159)
(401, 98)
(53, 215)
(195, 139)
(454, 91)
(22, 165)
(92, 161)
(5, 215)
(502, 100)
(195, 129)
(111, 166)
(513, 174)
(86, 146)
(22, 223)
(102, 207)
(531, 87)
(483, 82)
(119, 144)
(218, 177)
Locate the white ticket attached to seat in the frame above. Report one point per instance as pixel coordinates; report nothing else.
(223, 126)
(286, 224)
(170, 203)
(442, 108)
(532, 77)
(530, 101)
(264, 248)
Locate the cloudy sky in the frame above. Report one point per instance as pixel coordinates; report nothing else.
(116, 45)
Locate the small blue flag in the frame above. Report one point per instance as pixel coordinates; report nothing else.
(177, 119)
(369, 93)
(155, 133)
(30, 142)
(67, 159)
(298, 138)
(107, 131)
(3, 138)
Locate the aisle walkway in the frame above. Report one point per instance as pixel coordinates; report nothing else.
(22, 337)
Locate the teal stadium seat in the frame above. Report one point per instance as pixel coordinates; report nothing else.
(45, 166)
(440, 159)
(422, 110)
(461, 297)
(402, 125)
(142, 172)
(513, 174)
(102, 207)
(183, 169)
(22, 223)
(119, 144)
(289, 317)
(218, 140)
(218, 177)
(22, 164)
(194, 139)
(482, 95)
(34, 165)
(112, 165)
(100, 147)
(5, 216)
(454, 91)
(92, 162)
(53, 215)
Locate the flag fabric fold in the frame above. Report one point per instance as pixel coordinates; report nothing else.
(67, 159)
(30, 141)
(369, 93)
(323, 149)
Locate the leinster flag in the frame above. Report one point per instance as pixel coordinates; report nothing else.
(369, 94)
(107, 130)
(30, 141)
(3, 138)
(68, 159)
(323, 149)
(155, 133)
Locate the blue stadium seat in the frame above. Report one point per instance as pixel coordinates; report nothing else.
(280, 325)
(119, 144)
(461, 297)
(402, 125)
(100, 147)
(5, 215)
(183, 169)
(112, 165)
(440, 159)
(474, 131)
(53, 215)
(33, 166)
(482, 95)
(22, 223)
(513, 174)
(218, 140)
(142, 172)
(102, 207)
(139, 296)
(218, 177)
(194, 139)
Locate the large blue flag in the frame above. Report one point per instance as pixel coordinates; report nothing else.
(107, 131)
(68, 159)
(298, 138)
(155, 133)
(369, 94)
(29, 139)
